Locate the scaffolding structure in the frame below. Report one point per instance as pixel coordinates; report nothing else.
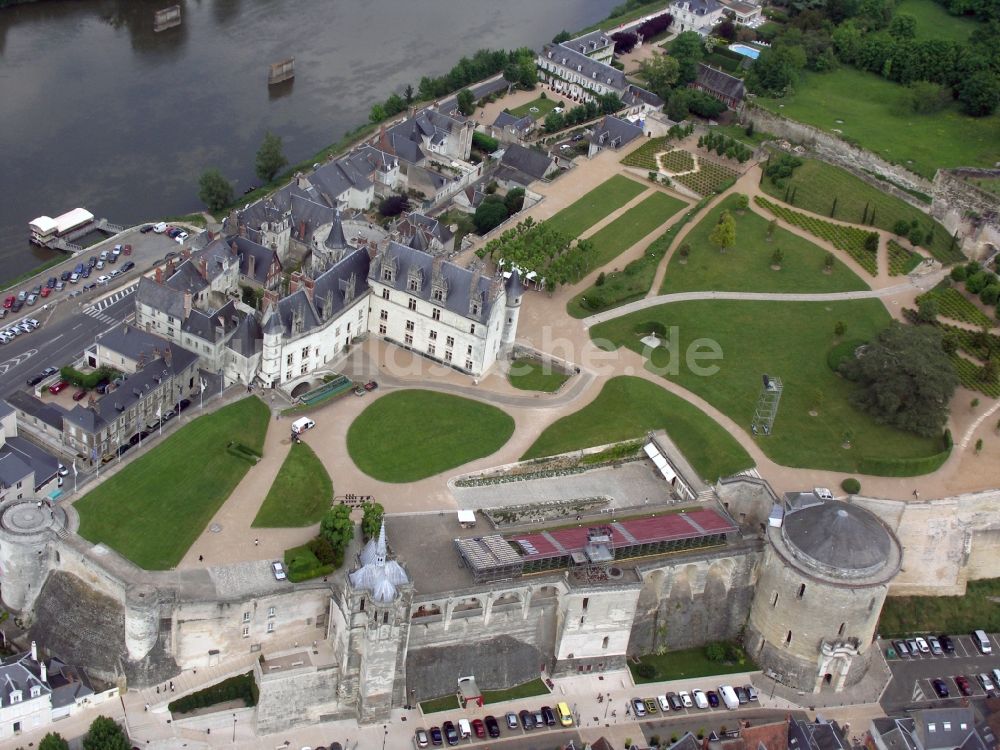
(767, 406)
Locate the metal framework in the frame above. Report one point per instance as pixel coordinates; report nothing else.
(767, 406)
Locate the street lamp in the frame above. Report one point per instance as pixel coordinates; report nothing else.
(385, 734)
(234, 728)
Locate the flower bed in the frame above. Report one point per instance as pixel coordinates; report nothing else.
(710, 177)
(849, 239)
(516, 515)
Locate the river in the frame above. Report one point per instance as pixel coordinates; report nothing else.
(100, 111)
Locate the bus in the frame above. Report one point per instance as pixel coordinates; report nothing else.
(565, 717)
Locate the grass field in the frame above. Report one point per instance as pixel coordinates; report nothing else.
(789, 340)
(817, 184)
(154, 509)
(524, 690)
(691, 662)
(413, 434)
(301, 493)
(862, 106)
(629, 407)
(544, 106)
(934, 22)
(607, 197)
(747, 267)
(632, 226)
(444, 703)
(532, 375)
(977, 608)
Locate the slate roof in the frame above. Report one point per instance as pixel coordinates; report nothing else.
(43, 463)
(186, 278)
(217, 255)
(612, 132)
(336, 239)
(719, 82)
(335, 284)
(462, 284)
(817, 735)
(262, 256)
(247, 339)
(527, 160)
(413, 224)
(406, 138)
(12, 468)
(160, 297)
(206, 325)
(133, 343)
(588, 43)
(940, 728)
(308, 215)
(896, 733)
(50, 414)
(594, 71)
(687, 742)
(21, 672)
(507, 120)
(839, 536)
(479, 90)
(378, 574)
(698, 7)
(335, 178)
(504, 173)
(635, 95)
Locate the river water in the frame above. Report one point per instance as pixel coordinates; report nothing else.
(97, 110)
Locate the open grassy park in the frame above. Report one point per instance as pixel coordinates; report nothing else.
(788, 340)
(532, 375)
(863, 107)
(934, 22)
(154, 509)
(413, 434)
(629, 407)
(747, 266)
(301, 493)
(537, 108)
(604, 199)
(632, 226)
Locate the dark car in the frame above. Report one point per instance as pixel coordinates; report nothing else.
(51, 283)
(127, 266)
(674, 701)
(18, 304)
(92, 261)
(741, 694)
(64, 276)
(492, 727)
(78, 268)
(549, 716)
(184, 404)
(527, 719)
(946, 644)
(450, 733)
(146, 229)
(86, 272)
(80, 395)
(36, 379)
(37, 290)
(964, 686)
(122, 449)
(713, 698)
(112, 259)
(940, 688)
(435, 735)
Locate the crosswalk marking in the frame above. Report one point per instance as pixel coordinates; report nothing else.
(94, 309)
(918, 692)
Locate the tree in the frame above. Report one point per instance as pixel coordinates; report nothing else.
(742, 201)
(771, 226)
(337, 528)
(723, 235)
(371, 519)
(625, 41)
(214, 190)
(904, 379)
(839, 329)
(270, 157)
(901, 228)
(684, 251)
(688, 51)
(466, 102)
(660, 74)
(828, 262)
(393, 205)
(979, 93)
(927, 310)
(776, 69)
(916, 235)
(53, 741)
(903, 26)
(105, 734)
(408, 94)
(924, 97)
(776, 257)
(553, 121)
(514, 201)
(377, 113)
(562, 36)
(871, 242)
(491, 213)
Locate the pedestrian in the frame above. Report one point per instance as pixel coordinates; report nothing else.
(146, 708)
(157, 689)
(201, 558)
(256, 542)
(916, 495)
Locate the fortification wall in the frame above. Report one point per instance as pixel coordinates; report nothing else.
(964, 208)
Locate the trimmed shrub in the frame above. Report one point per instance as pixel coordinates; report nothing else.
(241, 687)
(88, 380)
(851, 486)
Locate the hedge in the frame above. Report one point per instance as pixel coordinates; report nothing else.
(245, 452)
(242, 686)
(902, 467)
(88, 380)
(302, 564)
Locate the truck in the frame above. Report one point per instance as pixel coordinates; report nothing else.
(302, 424)
(728, 696)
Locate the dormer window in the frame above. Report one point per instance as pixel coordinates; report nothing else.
(475, 308)
(386, 274)
(414, 285)
(15, 696)
(36, 691)
(439, 295)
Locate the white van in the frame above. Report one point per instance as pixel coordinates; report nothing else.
(302, 424)
(982, 642)
(464, 729)
(728, 696)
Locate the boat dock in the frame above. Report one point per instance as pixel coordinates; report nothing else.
(62, 232)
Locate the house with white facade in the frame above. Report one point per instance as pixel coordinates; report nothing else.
(696, 15)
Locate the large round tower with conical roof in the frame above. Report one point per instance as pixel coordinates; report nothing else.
(515, 291)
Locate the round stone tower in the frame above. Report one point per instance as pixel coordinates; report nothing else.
(515, 291)
(142, 619)
(820, 588)
(27, 529)
(270, 363)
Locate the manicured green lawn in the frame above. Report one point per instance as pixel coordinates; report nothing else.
(934, 22)
(413, 434)
(607, 197)
(866, 104)
(444, 703)
(632, 226)
(629, 407)
(154, 509)
(747, 266)
(301, 493)
(544, 106)
(691, 662)
(532, 375)
(977, 608)
(817, 184)
(525, 690)
(788, 340)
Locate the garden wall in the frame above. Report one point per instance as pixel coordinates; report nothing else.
(961, 206)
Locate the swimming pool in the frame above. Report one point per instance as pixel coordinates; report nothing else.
(742, 49)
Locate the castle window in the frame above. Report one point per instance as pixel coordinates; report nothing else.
(381, 329)
(840, 630)
(246, 617)
(582, 619)
(362, 605)
(413, 304)
(408, 339)
(304, 369)
(383, 315)
(468, 364)
(450, 341)
(246, 631)
(802, 590)
(385, 618)
(36, 691)
(433, 335)
(439, 295)
(472, 328)
(430, 349)
(270, 627)
(604, 643)
(15, 696)
(436, 314)
(305, 352)
(414, 286)
(288, 359)
(586, 601)
(468, 350)
(409, 325)
(385, 294)
(386, 274)
(475, 308)
(447, 356)
(270, 611)
(788, 638)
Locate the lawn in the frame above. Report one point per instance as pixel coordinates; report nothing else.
(154, 509)
(414, 434)
(977, 608)
(788, 340)
(524, 690)
(629, 407)
(544, 106)
(301, 493)
(604, 199)
(444, 703)
(532, 375)
(747, 266)
(632, 226)
(863, 107)
(691, 662)
(901, 260)
(816, 184)
(934, 22)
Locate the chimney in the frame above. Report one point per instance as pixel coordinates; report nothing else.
(187, 304)
(302, 229)
(203, 267)
(308, 284)
(34, 651)
(294, 281)
(168, 354)
(220, 328)
(251, 262)
(301, 181)
(270, 298)
(44, 676)
(170, 268)
(211, 235)
(158, 275)
(243, 229)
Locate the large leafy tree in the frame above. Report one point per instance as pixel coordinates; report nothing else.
(660, 74)
(270, 157)
(53, 741)
(214, 190)
(723, 234)
(466, 102)
(904, 379)
(371, 519)
(105, 734)
(776, 69)
(688, 50)
(337, 528)
(492, 212)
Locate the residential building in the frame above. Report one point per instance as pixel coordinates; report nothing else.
(423, 233)
(260, 266)
(743, 13)
(696, 15)
(597, 45)
(614, 133)
(520, 166)
(728, 89)
(510, 128)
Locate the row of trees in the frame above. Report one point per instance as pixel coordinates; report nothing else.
(216, 192)
(537, 247)
(104, 734)
(979, 281)
(581, 113)
(723, 145)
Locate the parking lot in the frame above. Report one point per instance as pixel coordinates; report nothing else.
(912, 676)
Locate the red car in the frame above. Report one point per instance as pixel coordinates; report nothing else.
(56, 388)
(46, 291)
(127, 249)
(964, 687)
(479, 728)
(80, 395)
(8, 302)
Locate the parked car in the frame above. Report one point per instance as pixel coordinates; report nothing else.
(713, 698)
(74, 277)
(51, 283)
(56, 388)
(935, 645)
(16, 307)
(639, 706)
(127, 249)
(964, 686)
(78, 268)
(940, 687)
(127, 266)
(436, 736)
(179, 239)
(685, 698)
(32, 299)
(46, 291)
(146, 229)
(93, 261)
(751, 693)
(86, 272)
(741, 694)
(699, 699)
(102, 279)
(985, 682)
(123, 449)
(421, 738)
(650, 705)
(62, 471)
(91, 285)
(116, 251)
(160, 228)
(664, 704)
(492, 726)
(527, 719)
(64, 276)
(539, 718)
(9, 302)
(37, 290)
(80, 395)
(549, 717)
(674, 701)
(946, 644)
(922, 645)
(450, 733)
(116, 273)
(478, 728)
(279, 571)
(60, 285)
(914, 648)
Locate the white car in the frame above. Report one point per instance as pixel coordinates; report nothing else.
(923, 645)
(279, 571)
(160, 228)
(115, 273)
(685, 697)
(179, 239)
(32, 322)
(664, 703)
(63, 471)
(102, 279)
(699, 698)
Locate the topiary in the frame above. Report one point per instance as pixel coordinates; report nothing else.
(851, 486)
